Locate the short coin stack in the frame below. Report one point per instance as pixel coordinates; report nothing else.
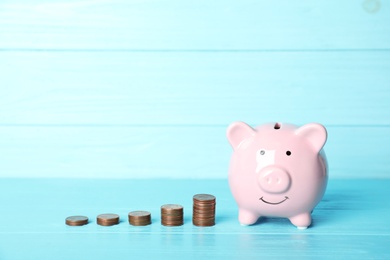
(172, 215)
(204, 210)
(107, 219)
(76, 220)
(140, 218)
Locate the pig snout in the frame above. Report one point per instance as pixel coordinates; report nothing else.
(274, 179)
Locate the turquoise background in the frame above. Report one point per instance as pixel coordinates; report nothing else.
(146, 89)
(111, 106)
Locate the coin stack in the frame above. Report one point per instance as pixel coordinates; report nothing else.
(140, 218)
(107, 219)
(171, 215)
(204, 210)
(76, 220)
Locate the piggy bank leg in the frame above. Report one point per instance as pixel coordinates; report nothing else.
(246, 217)
(301, 221)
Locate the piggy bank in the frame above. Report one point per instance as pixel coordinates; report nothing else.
(277, 170)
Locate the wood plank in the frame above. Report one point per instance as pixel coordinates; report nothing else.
(100, 88)
(350, 220)
(194, 25)
(166, 152)
(196, 246)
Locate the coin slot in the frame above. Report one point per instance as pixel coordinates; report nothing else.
(277, 126)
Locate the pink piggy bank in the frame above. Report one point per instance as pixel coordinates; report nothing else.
(277, 170)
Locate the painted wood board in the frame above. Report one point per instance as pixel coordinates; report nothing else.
(194, 25)
(126, 88)
(166, 152)
(350, 221)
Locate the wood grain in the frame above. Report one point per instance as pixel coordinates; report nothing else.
(145, 89)
(351, 220)
(165, 152)
(99, 88)
(131, 90)
(194, 25)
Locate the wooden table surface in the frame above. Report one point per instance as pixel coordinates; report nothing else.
(350, 222)
(97, 93)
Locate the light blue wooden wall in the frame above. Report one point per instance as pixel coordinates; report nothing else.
(141, 89)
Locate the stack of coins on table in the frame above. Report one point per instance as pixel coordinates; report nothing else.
(140, 218)
(172, 215)
(107, 219)
(76, 220)
(203, 210)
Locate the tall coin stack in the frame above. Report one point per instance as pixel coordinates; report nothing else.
(204, 210)
(172, 215)
(140, 218)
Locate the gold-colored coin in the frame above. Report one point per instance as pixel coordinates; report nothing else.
(171, 208)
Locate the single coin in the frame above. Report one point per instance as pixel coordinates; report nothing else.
(107, 219)
(204, 223)
(76, 220)
(198, 211)
(139, 223)
(203, 209)
(204, 198)
(139, 213)
(203, 206)
(172, 224)
(203, 217)
(171, 207)
(172, 217)
(203, 212)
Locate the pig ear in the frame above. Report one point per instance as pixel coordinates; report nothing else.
(315, 133)
(237, 132)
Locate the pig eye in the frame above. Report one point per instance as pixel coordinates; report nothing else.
(262, 152)
(288, 153)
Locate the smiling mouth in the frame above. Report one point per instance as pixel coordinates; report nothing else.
(274, 203)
